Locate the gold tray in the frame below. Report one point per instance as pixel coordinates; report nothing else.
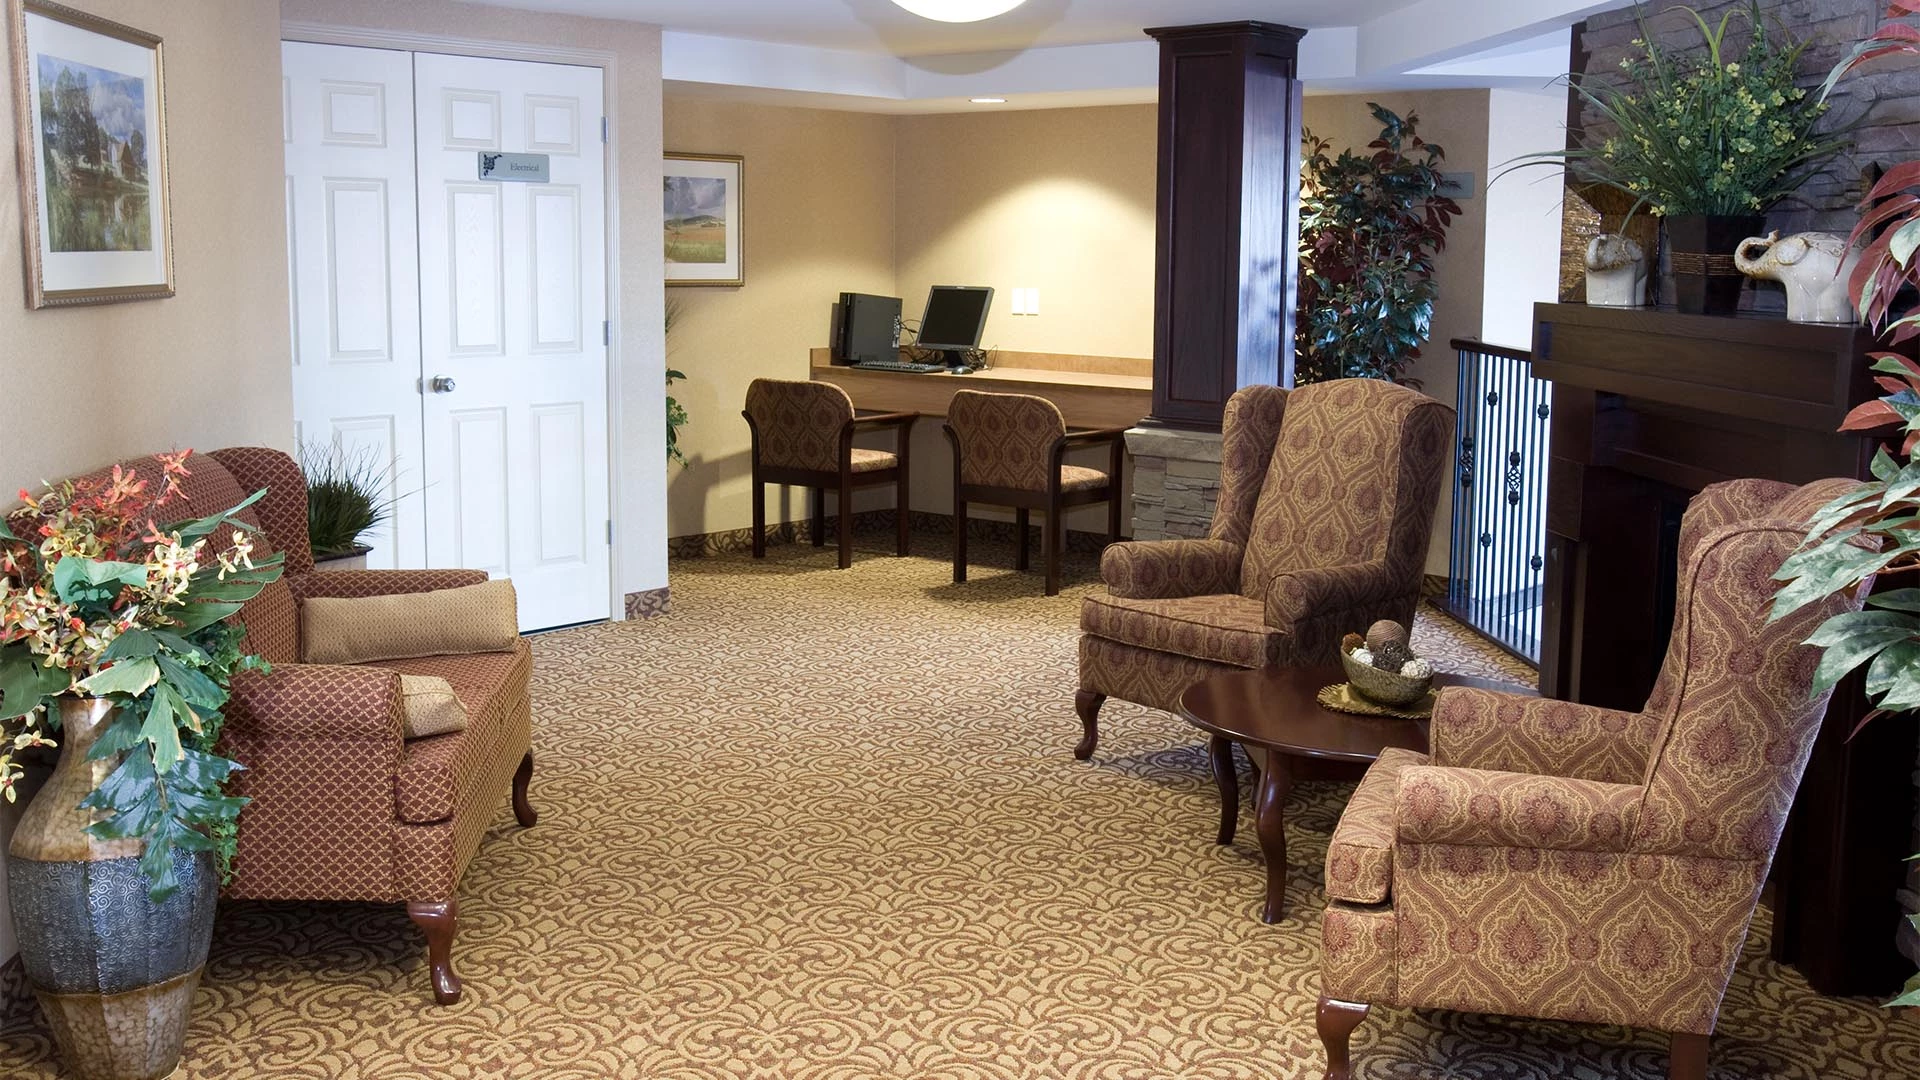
(1341, 697)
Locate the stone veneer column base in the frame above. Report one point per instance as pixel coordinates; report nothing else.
(1176, 482)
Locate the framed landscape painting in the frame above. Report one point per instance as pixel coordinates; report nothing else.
(90, 120)
(703, 235)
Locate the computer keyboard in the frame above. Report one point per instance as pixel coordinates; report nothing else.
(899, 365)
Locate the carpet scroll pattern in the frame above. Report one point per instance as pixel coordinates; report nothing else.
(826, 825)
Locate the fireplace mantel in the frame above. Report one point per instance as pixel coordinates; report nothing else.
(1650, 406)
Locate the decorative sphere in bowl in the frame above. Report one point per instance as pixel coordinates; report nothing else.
(1386, 687)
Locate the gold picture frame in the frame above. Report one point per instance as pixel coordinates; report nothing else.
(703, 219)
(91, 145)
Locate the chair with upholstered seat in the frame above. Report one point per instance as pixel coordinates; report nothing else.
(1567, 862)
(1326, 506)
(1010, 450)
(803, 435)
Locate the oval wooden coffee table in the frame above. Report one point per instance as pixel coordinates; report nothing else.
(1276, 710)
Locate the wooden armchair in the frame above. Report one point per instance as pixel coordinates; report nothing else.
(803, 434)
(1326, 505)
(1567, 862)
(1010, 450)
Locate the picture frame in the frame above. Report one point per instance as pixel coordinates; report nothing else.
(703, 226)
(90, 125)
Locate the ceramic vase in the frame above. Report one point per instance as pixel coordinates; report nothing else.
(1700, 249)
(114, 972)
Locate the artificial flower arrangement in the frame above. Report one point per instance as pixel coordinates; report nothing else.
(1705, 132)
(98, 600)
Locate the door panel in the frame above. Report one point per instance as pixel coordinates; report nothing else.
(354, 290)
(513, 296)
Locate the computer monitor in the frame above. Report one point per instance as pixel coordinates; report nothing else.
(869, 328)
(956, 316)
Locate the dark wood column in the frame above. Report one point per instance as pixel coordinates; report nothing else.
(1226, 259)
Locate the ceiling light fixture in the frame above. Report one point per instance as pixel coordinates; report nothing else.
(959, 11)
(988, 100)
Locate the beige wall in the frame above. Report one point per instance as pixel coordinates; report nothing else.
(1058, 199)
(208, 367)
(819, 219)
(639, 428)
(1061, 200)
(1458, 121)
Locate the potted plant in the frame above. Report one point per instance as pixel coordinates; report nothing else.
(1707, 140)
(348, 496)
(114, 644)
(1370, 227)
(676, 412)
(1872, 530)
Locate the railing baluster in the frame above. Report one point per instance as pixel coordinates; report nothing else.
(1498, 529)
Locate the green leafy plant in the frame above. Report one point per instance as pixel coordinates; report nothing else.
(1370, 227)
(348, 495)
(676, 412)
(1704, 131)
(1874, 529)
(98, 601)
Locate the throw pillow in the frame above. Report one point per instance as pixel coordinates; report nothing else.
(430, 706)
(444, 622)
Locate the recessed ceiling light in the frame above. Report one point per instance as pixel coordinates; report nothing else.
(988, 100)
(959, 11)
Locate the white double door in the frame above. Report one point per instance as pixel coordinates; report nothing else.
(452, 328)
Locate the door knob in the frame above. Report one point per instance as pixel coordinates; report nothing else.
(440, 384)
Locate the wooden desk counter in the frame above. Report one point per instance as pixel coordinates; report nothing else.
(1091, 391)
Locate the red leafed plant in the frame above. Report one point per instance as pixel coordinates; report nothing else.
(1874, 529)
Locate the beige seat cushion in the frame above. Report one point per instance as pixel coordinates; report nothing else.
(872, 460)
(1081, 478)
(1224, 628)
(430, 706)
(444, 622)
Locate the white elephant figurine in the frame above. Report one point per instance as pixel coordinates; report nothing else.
(1616, 272)
(1815, 268)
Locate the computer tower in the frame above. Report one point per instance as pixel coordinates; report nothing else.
(866, 328)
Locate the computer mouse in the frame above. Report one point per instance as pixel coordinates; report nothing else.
(962, 370)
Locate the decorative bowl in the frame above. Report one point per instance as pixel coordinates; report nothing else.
(1385, 687)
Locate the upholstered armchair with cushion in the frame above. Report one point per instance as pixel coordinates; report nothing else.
(344, 805)
(1327, 498)
(1566, 862)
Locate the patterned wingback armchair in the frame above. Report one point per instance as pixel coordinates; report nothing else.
(1327, 496)
(1567, 862)
(344, 807)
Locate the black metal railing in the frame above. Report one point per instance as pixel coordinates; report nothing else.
(1499, 496)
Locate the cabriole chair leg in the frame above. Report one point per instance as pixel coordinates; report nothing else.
(523, 810)
(1687, 1057)
(1087, 703)
(439, 921)
(1335, 1020)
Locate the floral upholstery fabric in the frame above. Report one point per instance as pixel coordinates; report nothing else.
(1357, 464)
(1147, 676)
(1480, 729)
(1166, 568)
(1355, 478)
(1579, 887)
(1249, 429)
(798, 424)
(1006, 440)
(1360, 855)
(1225, 628)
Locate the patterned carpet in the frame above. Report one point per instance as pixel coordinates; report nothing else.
(826, 825)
